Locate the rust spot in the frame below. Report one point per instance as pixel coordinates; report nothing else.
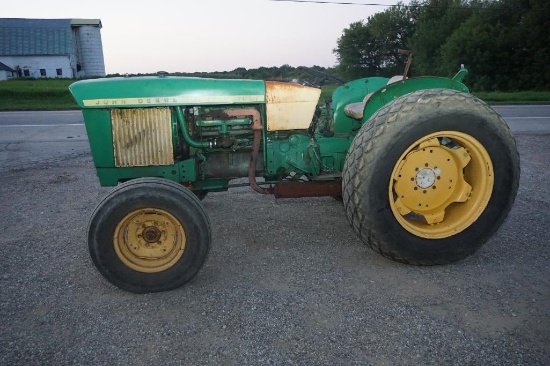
(151, 234)
(308, 189)
(279, 92)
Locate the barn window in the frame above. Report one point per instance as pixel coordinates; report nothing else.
(59, 72)
(26, 72)
(42, 72)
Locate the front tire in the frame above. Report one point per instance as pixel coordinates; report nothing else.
(430, 177)
(149, 235)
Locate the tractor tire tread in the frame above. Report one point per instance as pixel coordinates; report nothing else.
(376, 134)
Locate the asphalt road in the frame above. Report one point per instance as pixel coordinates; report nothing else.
(286, 281)
(30, 138)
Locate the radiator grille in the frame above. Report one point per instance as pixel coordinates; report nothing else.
(142, 137)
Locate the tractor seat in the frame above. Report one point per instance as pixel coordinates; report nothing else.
(355, 110)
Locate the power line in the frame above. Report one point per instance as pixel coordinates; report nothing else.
(419, 5)
(364, 4)
(334, 2)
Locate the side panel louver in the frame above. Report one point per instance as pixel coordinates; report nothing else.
(142, 137)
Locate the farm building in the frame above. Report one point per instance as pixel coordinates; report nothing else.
(50, 48)
(6, 72)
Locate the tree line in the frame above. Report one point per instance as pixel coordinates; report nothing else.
(505, 44)
(313, 75)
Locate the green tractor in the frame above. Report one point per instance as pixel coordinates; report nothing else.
(426, 172)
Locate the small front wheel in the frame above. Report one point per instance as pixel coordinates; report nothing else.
(149, 235)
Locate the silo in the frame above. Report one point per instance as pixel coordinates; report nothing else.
(89, 47)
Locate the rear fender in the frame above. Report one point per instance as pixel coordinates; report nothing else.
(395, 90)
(352, 92)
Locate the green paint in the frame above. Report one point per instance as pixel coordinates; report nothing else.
(183, 171)
(286, 153)
(185, 132)
(160, 91)
(352, 92)
(461, 74)
(393, 91)
(100, 136)
(297, 153)
(332, 152)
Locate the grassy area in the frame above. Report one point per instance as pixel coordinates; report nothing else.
(524, 97)
(326, 93)
(40, 94)
(53, 94)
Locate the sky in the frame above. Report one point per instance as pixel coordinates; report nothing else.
(144, 36)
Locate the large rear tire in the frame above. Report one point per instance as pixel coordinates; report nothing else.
(149, 235)
(430, 177)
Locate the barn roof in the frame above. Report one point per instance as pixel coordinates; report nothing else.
(4, 67)
(31, 37)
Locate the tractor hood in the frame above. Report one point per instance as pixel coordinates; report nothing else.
(153, 91)
(288, 106)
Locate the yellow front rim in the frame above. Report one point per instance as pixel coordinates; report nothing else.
(441, 184)
(149, 240)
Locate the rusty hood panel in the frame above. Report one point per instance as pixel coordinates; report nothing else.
(290, 106)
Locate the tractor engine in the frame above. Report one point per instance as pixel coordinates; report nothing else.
(225, 134)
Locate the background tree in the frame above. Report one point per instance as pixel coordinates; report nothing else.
(504, 43)
(369, 47)
(487, 43)
(534, 34)
(437, 21)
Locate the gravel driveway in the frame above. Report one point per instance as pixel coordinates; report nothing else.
(286, 282)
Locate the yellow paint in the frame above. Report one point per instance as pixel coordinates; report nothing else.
(290, 106)
(436, 191)
(178, 100)
(149, 240)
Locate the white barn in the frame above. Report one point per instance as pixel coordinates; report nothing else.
(6, 72)
(51, 48)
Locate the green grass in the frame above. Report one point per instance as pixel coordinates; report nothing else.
(326, 93)
(40, 94)
(524, 97)
(53, 94)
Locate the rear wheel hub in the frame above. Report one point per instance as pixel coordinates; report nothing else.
(433, 185)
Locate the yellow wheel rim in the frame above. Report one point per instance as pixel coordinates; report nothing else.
(441, 184)
(149, 240)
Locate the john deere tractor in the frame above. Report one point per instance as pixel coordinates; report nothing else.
(426, 172)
